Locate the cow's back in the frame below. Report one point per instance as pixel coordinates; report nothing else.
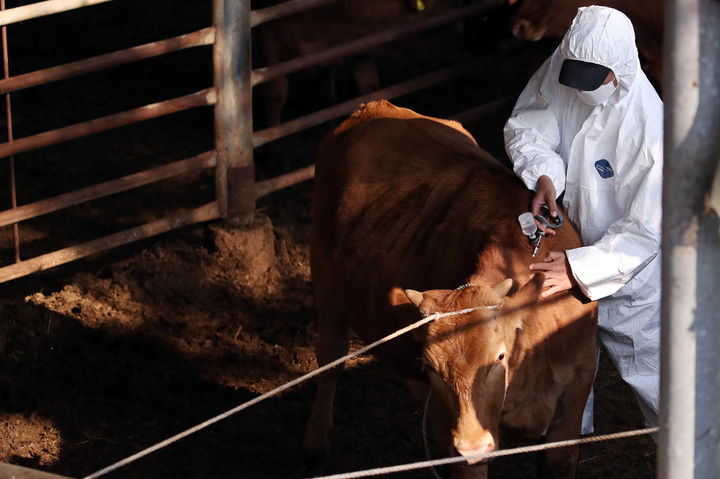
(390, 182)
(402, 200)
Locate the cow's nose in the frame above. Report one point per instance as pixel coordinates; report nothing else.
(473, 449)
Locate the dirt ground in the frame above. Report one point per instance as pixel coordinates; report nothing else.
(104, 357)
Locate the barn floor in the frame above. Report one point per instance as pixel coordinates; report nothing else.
(107, 356)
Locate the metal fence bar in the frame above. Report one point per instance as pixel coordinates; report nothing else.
(689, 442)
(202, 98)
(8, 117)
(12, 471)
(43, 9)
(267, 135)
(495, 106)
(263, 74)
(235, 178)
(107, 188)
(203, 37)
(263, 188)
(201, 214)
(284, 9)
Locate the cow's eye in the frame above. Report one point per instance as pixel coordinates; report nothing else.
(501, 357)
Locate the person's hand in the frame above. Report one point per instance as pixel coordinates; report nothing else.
(544, 195)
(558, 275)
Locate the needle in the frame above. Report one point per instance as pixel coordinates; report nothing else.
(537, 243)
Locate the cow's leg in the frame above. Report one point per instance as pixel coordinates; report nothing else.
(332, 343)
(560, 463)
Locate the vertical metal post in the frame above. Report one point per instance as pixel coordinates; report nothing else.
(689, 445)
(235, 180)
(8, 117)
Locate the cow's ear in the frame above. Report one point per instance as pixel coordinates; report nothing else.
(518, 306)
(405, 307)
(503, 287)
(407, 302)
(415, 297)
(530, 292)
(408, 297)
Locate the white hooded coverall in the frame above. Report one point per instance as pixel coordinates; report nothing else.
(608, 160)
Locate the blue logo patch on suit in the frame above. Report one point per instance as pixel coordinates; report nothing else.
(604, 169)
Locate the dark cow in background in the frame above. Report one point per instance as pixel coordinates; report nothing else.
(535, 19)
(323, 27)
(407, 208)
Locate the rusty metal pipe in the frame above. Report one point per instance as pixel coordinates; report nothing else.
(263, 74)
(284, 9)
(263, 188)
(495, 106)
(267, 135)
(8, 114)
(202, 98)
(201, 214)
(203, 37)
(107, 188)
(42, 9)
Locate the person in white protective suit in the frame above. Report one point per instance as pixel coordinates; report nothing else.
(589, 124)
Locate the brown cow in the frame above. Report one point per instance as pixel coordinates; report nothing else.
(322, 27)
(405, 203)
(535, 19)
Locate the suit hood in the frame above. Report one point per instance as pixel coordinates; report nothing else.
(604, 36)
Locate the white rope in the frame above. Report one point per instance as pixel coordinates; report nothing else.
(369, 472)
(505, 452)
(274, 392)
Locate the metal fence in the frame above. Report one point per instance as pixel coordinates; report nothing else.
(211, 96)
(236, 190)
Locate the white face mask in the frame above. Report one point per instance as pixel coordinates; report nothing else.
(597, 96)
